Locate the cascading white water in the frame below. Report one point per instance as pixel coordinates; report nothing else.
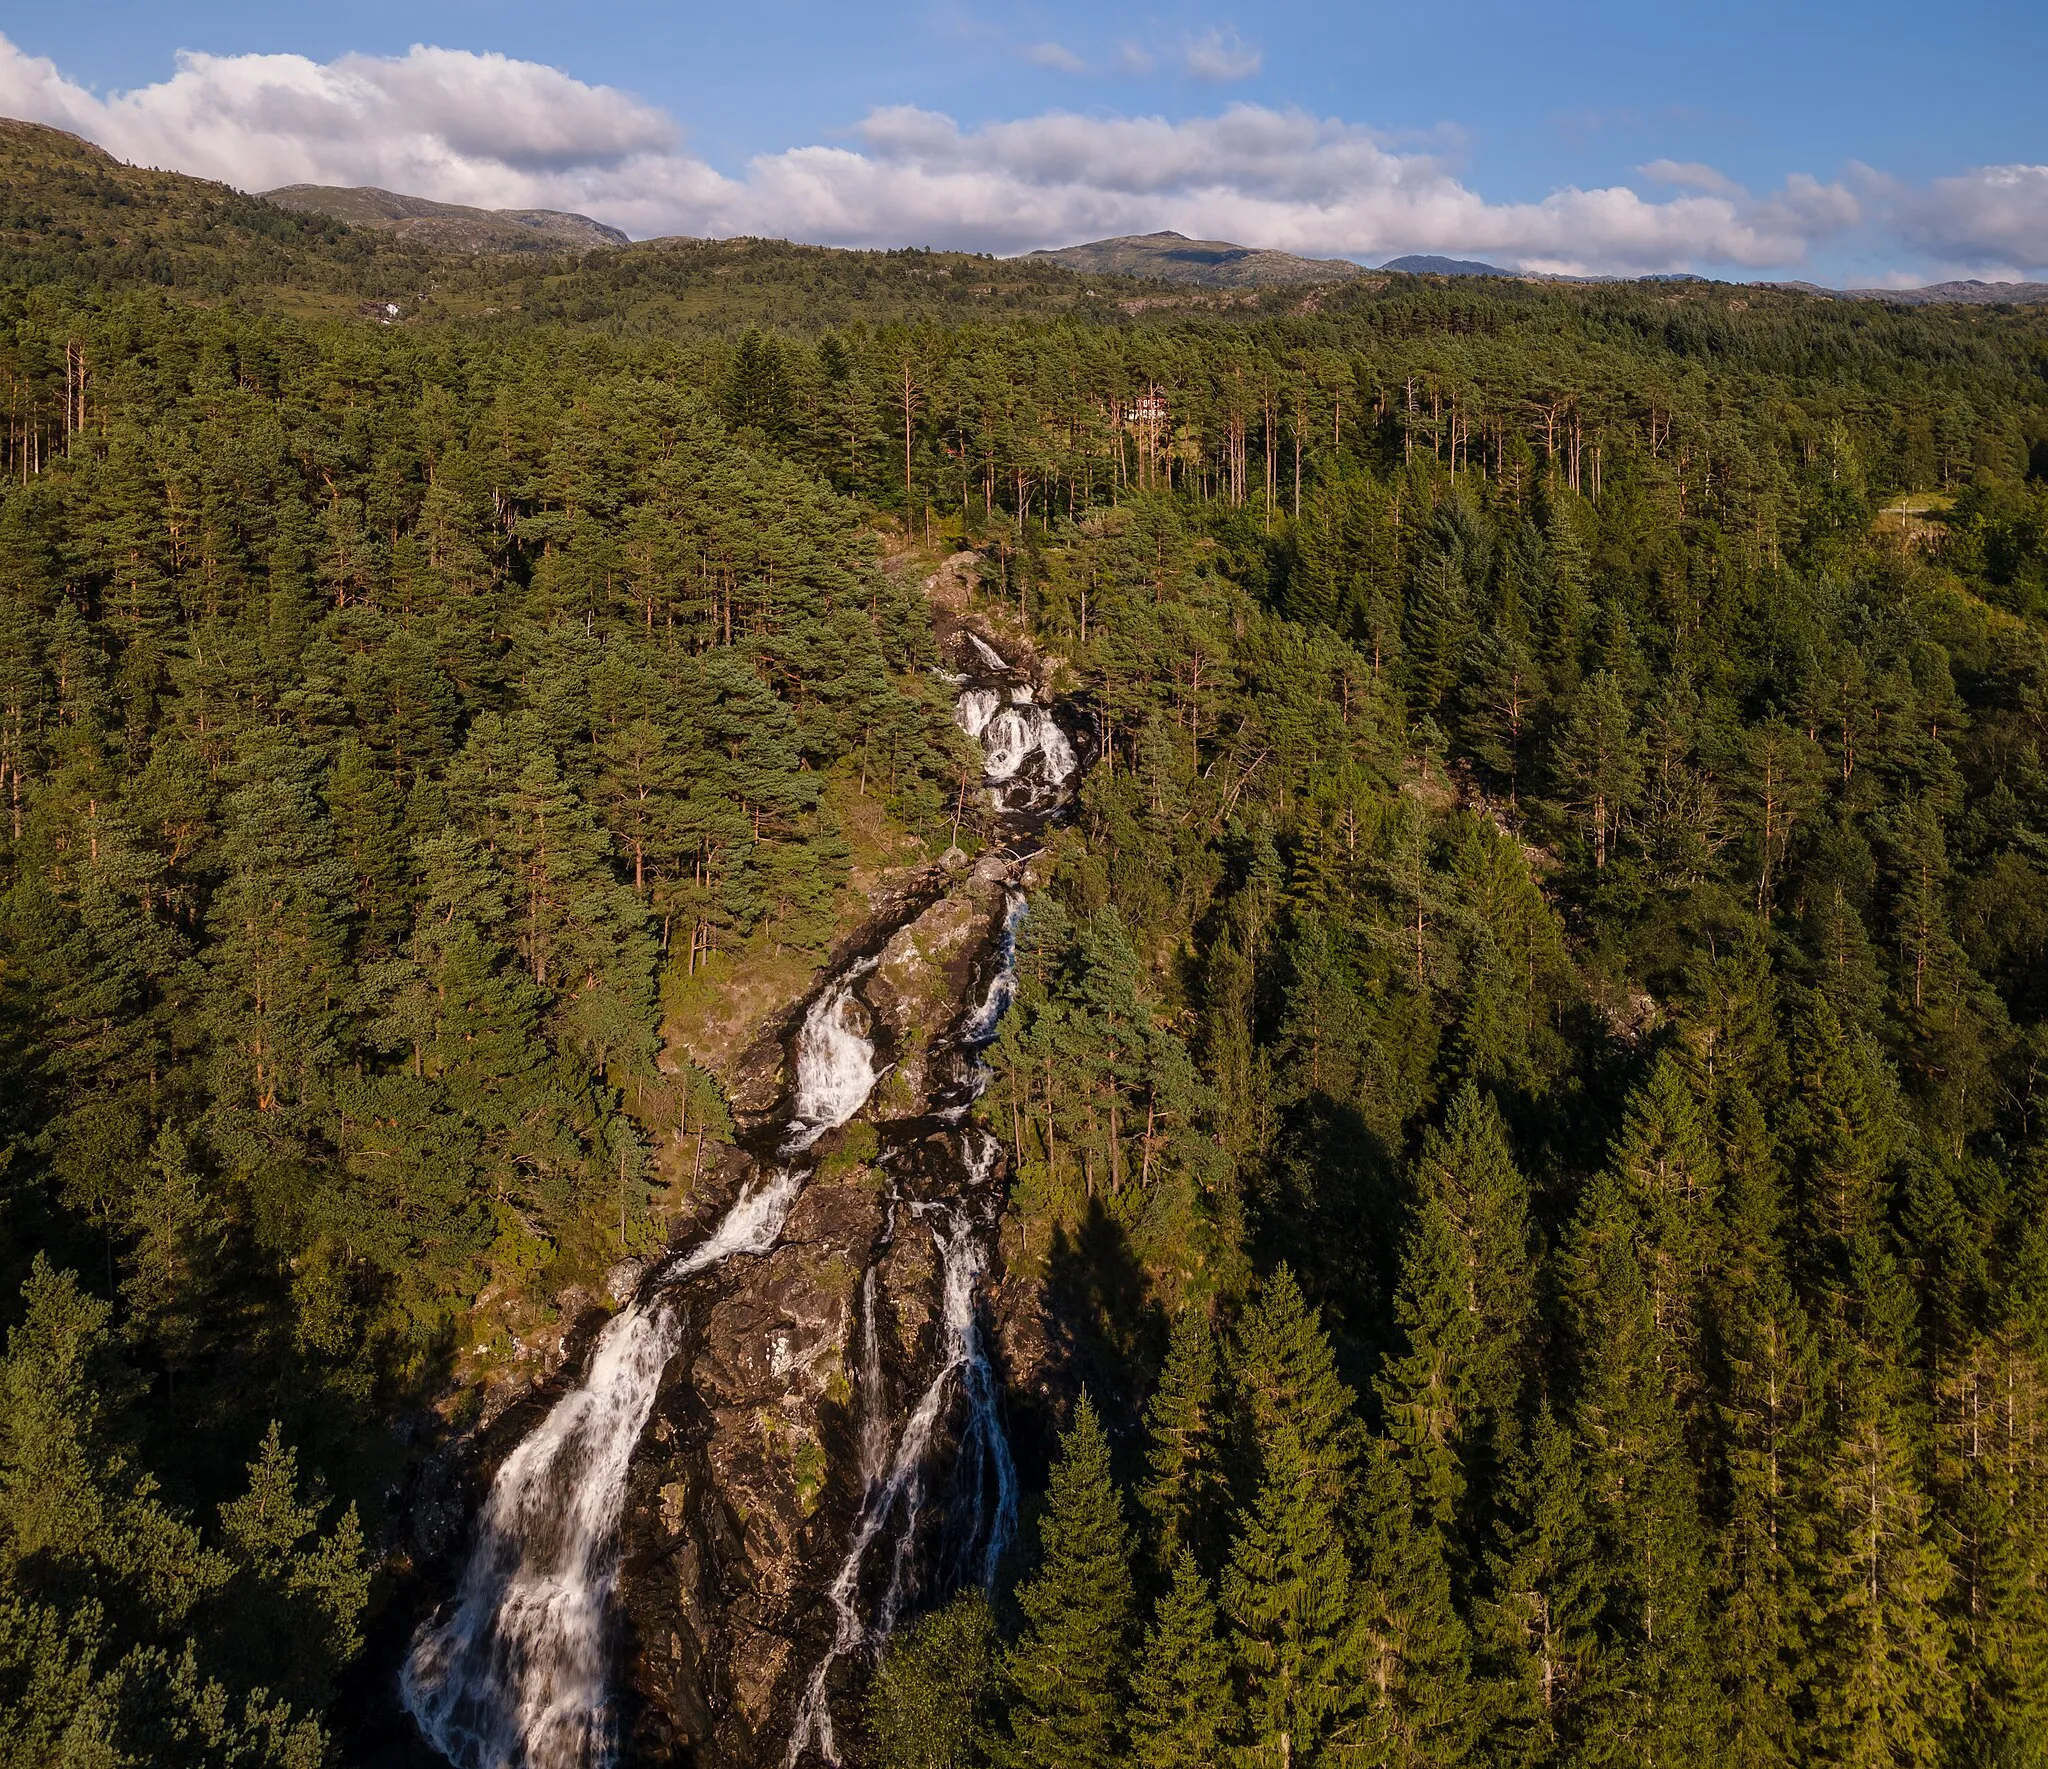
(835, 1062)
(980, 1026)
(900, 1492)
(517, 1677)
(874, 1422)
(984, 1459)
(1027, 759)
(1018, 735)
(973, 710)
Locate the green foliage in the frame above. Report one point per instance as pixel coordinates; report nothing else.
(929, 1706)
(1183, 1709)
(1551, 942)
(1066, 1677)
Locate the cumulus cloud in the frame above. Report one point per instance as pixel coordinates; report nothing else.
(1991, 220)
(490, 130)
(1221, 57)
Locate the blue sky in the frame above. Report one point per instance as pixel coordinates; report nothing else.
(1872, 143)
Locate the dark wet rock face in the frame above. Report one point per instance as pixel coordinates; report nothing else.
(819, 1446)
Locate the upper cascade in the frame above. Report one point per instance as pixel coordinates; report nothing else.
(1028, 759)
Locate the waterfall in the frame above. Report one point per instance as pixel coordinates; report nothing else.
(515, 1673)
(973, 710)
(835, 1062)
(517, 1677)
(1027, 761)
(1024, 743)
(980, 1026)
(900, 1494)
(985, 1474)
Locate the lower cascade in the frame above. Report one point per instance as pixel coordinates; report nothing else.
(518, 1671)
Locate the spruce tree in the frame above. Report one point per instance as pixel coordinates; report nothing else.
(1185, 1488)
(1296, 1631)
(1645, 1494)
(1285, 1379)
(1538, 1652)
(1419, 1653)
(1883, 1684)
(1066, 1677)
(928, 1707)
(1184, 1712)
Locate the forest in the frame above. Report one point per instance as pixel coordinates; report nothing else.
(1525, 1093)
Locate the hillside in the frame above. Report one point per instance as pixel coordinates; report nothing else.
(1211, 991)
(70, 210)
(1208, 264)
(1432, 264)
(72, 214)
(448, 227)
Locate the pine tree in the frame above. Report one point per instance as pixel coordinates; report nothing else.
(1184, 1712)
(1427, 1388)
(294, 1609)
(1644, 1492)
(1464, 1303)
(367, 814)
(1066, 1677)
(1670, 1172)
(1599, 762)
(1884, 1688)
(278, 949)
(1285, 1378)
(1767, 1413)
(1418, 1651)
(79, 1522)
(928, 1707)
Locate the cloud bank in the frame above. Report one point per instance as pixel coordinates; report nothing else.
(498, 132)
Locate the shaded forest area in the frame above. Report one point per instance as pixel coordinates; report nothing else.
(1525, 1090)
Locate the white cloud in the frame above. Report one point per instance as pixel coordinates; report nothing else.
(1991, 221)
(490, 130)
(1221, 57)
(1056, 56)
(470, 128)
(1691, 175)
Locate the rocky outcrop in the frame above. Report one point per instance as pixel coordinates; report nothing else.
(750, 1475)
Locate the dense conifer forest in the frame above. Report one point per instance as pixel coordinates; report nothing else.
(1526, 1088)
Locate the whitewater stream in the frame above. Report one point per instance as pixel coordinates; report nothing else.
(516, 1672)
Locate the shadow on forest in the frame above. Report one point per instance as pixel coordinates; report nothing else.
(1109, 1331)
(1332, 1205)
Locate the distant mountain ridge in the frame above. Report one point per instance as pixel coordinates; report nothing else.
(1969, 292)
(1429, 264)
(1209, 264)
(448, 227)
(1221, 264)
